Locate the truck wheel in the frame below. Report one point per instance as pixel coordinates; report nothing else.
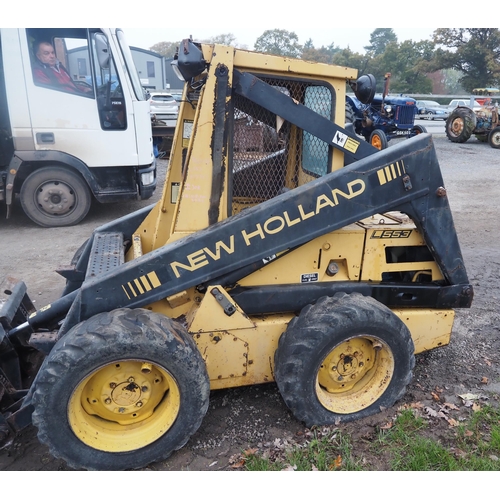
(344, 358)
(121, 390)
(460, 124)
(378, 139)
(55, 197)
(494, 138)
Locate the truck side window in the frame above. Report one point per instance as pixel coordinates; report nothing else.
(59, 61)
(110, 98)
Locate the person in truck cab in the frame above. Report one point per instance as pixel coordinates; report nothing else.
(49, 71)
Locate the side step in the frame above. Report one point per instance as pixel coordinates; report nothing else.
(107, 253)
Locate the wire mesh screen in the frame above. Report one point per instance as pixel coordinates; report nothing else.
(267, 152)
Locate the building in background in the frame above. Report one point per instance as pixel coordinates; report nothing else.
(154, 70)
(151, 68)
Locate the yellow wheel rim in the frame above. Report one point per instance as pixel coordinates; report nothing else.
(124, 406)
(354, 374)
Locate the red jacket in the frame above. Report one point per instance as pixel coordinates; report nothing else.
(59, 78)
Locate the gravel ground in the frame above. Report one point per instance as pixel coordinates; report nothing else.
(256, 417)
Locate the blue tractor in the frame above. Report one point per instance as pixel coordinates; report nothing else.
(380, 117)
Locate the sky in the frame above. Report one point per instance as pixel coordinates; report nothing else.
(356, 40)
(324, 21)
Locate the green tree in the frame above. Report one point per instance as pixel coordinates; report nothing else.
(408, 63)
(346, 57)
(323, 54)
(166, 49)
(279, 42)
(379, 39)
(473, 51)
(223, 39)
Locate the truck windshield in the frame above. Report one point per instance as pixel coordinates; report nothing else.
(132, 70)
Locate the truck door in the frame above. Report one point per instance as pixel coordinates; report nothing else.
(77, 101)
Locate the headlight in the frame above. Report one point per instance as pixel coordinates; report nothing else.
(175, 67)
(148, 178)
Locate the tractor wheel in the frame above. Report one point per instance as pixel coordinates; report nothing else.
(55, 197)
(378, 139)
(460, 124)
(121, 390)
(494, 138)
(349, 114)
(344, 358)
(416, 130)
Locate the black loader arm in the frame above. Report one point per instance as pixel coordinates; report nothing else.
(405, 177)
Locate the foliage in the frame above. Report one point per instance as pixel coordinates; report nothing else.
(323, 54)
(279, 42)
(408, 64)
(379, 39)
(476, 445)
(350, 59)
(324, 450)
(403, 445)
(166, 49)
(446, 81)
(465, 58)
(223, 39)
(473, 51)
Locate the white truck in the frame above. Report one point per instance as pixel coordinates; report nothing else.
(74, 123)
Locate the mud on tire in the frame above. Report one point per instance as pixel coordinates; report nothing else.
(460, 124)
(121, 390)
(343, 358)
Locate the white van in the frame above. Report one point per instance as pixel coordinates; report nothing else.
(462, 102)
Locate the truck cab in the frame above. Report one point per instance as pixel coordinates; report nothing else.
(75, 123)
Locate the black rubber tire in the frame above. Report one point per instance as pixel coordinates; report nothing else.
(110, 340)
(494, 138)
(333, 322)
(416, 130)
(71, 189)
(350, 116)
(460, 125)
(378, 139)
(419, 129)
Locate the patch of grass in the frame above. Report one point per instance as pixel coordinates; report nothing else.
(474, 445)
(325, 450)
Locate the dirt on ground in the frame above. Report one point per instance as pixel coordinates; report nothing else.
(446, 382)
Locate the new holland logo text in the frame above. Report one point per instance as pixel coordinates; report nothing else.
(270, 226)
